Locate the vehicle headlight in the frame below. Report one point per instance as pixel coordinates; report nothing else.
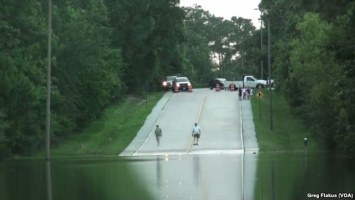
(177, 84)
(165, 83)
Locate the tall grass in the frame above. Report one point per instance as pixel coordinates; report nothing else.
(112, 133)
(288, 131)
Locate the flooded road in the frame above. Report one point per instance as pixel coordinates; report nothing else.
(213, 169)
(197, 177)
(225, 165)
(292, 176)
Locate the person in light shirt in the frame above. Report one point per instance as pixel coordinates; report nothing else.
(196, 132)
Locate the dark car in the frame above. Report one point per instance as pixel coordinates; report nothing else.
(167, 83)
(182, 83)
(220, 81)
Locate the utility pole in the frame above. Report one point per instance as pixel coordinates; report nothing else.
(269, 63)
(261, 49)
(261, 46)
(48, 103)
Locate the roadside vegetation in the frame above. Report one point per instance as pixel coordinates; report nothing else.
(288, 130)
(103, 50)
(120, 122)
(112, 133)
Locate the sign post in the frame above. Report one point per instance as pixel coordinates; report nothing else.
(259, 95)
(146, 89)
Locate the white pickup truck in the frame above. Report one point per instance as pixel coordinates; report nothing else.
(250, 81)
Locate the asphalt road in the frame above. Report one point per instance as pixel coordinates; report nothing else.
(218, 115)
(222, 166)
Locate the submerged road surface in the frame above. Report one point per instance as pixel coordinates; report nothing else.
(214, 169)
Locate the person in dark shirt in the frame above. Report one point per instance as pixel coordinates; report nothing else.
(158, 134)
(240, 92)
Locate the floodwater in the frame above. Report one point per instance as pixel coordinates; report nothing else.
(226, 165)
(278, 176)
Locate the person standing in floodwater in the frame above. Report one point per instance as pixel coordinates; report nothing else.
(158, 134)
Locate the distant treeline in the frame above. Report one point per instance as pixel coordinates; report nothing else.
(104, 49)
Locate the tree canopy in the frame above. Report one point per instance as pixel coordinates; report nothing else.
(313, 58)
(105, 49)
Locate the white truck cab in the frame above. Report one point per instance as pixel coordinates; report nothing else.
(251, 81)
(248, 81)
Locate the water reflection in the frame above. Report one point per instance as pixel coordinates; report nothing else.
(250, 161)
(196, 170)
(49, 180)
(298, 174)
(159, 177)
(305, 161)
(196, 176)
(179, 177)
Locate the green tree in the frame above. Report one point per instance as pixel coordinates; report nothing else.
(311, 71)
(312, 58)
(22, 79)
(151, 35)
(88, 73)
(198, 53)
(342, 43)
(226, 39)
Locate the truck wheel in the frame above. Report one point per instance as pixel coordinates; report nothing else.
(259, 86)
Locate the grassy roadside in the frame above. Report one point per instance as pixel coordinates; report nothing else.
(278, 145)
(288, 131)
(121, 121)
(112, 133)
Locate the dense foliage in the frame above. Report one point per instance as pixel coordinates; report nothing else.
(87, 71)
(313, 54)
(101, 50)
(104, 49)
(226, 42)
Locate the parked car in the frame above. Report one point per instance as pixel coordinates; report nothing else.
(220, 81)
(182, 83)
(167, 83)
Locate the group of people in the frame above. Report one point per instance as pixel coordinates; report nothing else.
(196, 132)
(245, 93)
